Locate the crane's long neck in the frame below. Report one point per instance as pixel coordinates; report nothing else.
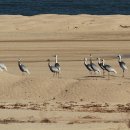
(85, 61)
(49, 64)
(103, 62)
(19, 63)
(99, 61)
(91, 59)
(56, 59)
(120, 58)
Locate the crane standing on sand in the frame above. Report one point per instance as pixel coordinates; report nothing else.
(22, 67)
(93, 66)
(101, 65)
(122, 64)
(108, 68)
(3, 67)
(88, 66)
(56, 63)
(54, 68)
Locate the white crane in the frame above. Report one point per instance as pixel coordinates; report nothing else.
(108, 68)
(122, 64)
(22, 67)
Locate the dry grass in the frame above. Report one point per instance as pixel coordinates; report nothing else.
(46, 120)
(10, 120)
(128, 123)
(73, 122)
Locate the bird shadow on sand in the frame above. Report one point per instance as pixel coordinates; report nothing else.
(89, 77)
(105, 77)
(120, 77)
(126, 78)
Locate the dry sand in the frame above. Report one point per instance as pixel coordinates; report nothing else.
(75, 100)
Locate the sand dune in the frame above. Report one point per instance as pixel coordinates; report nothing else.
(89, 89)
(98, 91)
(30, 88)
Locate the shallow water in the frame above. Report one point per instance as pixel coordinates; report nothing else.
(71, 7)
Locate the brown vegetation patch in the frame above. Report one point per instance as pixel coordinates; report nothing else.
(46, 120)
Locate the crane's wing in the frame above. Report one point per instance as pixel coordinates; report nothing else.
(25, 69)
(88, 66)
(95, 68)
(123, 65)
(101, 65)
(110, 69)
(54, 69)
(57, 65)
(3, 67)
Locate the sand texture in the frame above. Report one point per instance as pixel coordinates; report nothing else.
(76, 100)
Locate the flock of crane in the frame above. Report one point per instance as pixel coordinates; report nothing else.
(55, 68)
(105, 67)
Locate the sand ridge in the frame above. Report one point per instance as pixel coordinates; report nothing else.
(89, 89)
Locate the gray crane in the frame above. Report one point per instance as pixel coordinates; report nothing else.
(22, 67)
(87, 65)
(55, 68)
(93, 66)
(108, 68)
(101, 65)
(122, 64)
(56, 63)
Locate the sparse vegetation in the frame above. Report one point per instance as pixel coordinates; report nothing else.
(128, 123)
(46, 120)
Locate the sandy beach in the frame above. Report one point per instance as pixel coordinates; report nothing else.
(75, 100)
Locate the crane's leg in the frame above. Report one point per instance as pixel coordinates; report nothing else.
(108, 76)
(91, 73)
(23, 75)
(123, 74)
(95, 75)
(58, 74)
(53, 74)
(103, 73)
